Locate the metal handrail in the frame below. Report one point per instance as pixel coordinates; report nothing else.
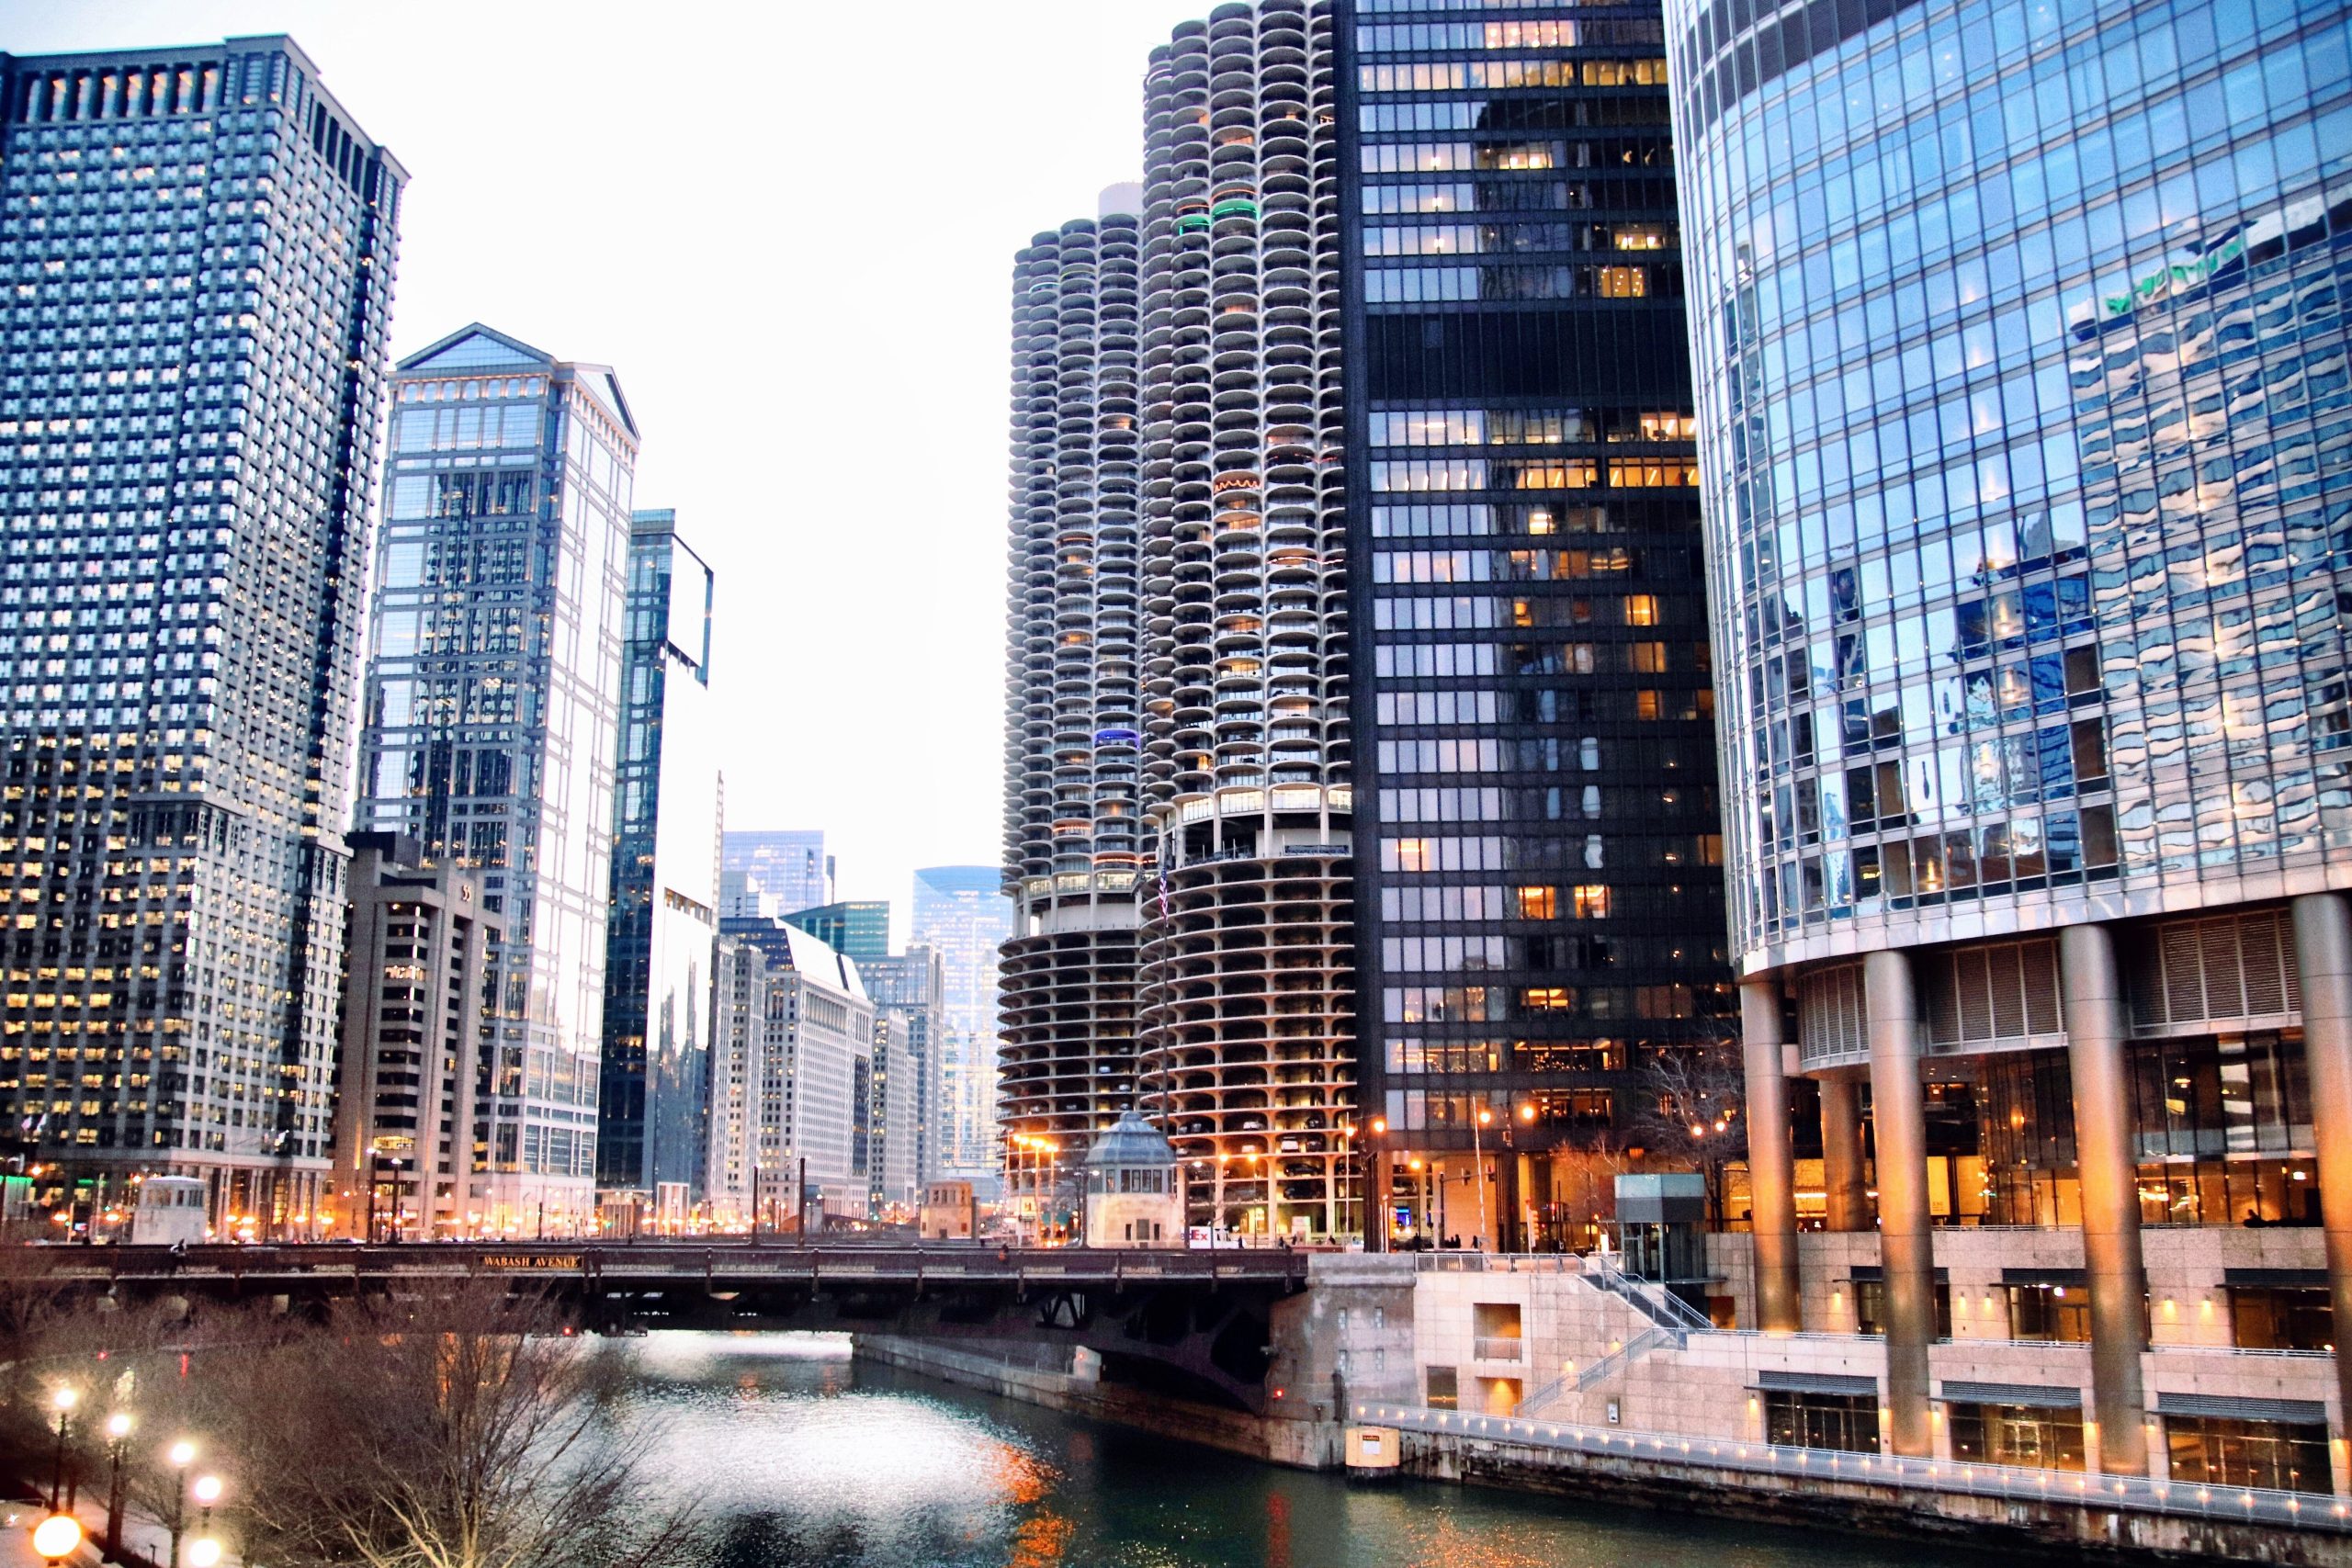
(2242, 1504)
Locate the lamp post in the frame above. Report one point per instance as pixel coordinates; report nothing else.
(63, 1401)
(1479, 1170)
(118, 1431)
(180, 1455)
(204, 1552)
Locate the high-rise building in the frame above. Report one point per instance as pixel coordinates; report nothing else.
(858, 929)
(492, 711)
(909, 995)
(2022, 415)
(196, 252)
(1538, 879)
(1074, 852)
(960, 912)
(654, 1133)
(738, 1047)
(416, 974)
(1246, 996)
(768, 873)
(814, 1101)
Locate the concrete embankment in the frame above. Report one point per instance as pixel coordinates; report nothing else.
(2053, 1529)
(1014, 1372)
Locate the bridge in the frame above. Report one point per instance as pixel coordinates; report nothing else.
(1197, 1323)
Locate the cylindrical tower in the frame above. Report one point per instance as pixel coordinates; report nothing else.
(1073, 823)
(1246, 1026)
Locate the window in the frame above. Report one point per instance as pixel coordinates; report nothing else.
(2055, 1312)
(1444, 1389)
(2231, 1451)
(2017, 1434)
(1538, 903)
(2282, 1318)
(1590, 901)
(1846, 1421)
(1641, 609)
(1870, 1307)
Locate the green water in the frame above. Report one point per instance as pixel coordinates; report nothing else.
(798, 1457)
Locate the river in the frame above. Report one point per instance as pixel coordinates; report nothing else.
(802, 1460)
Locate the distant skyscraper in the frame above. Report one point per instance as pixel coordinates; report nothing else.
(770, 872)
(1538, 866)
(739, 1045)
(815, 1099)
(493, 711)
(859, 928)
(909, 991)
(653, 1131)
(1073, 816)
(1248, 1046)
(417, 972)
(961, 912)
(196, 256)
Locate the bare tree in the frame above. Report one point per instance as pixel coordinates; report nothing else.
(1689, 1105)
(466, 1431)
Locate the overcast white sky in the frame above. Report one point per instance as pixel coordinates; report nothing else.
(789, 226)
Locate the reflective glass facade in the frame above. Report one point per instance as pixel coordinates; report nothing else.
(653, 1123)
(196, 264)
(771, 872)
(961, 913)
(493, 713)
(2025, 426)
(1538, 857)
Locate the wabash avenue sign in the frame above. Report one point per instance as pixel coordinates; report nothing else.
(568, 1262)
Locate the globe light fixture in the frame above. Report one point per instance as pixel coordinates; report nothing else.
(58, 1536)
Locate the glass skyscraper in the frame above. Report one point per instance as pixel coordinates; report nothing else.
(1539, 884)
(960, 912)
(493, 713)
(857, 928)
(653, 1111)
(771, 872)
(2024, 421)
(195, 259)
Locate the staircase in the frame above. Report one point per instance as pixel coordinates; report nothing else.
(1671, 1321)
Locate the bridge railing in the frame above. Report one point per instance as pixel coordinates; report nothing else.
(679, 1259)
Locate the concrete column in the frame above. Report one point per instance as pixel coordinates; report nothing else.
(1848, 1197)
(2103, 1161)
(1906, 1248)
(1771, 1168)
(2323, 964)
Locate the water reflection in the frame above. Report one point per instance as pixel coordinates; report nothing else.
(803, 1461)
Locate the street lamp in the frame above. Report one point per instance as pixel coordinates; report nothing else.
(63, 1401)
(1478, 1168)
(118, 1431)
(203, 1552)
(58, 1536)
(180, 1455)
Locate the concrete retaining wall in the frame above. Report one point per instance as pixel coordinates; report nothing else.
(1305, 1445)
(1979, 1522)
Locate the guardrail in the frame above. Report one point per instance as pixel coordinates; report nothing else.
(2237, 1505)
(676, 1259)
(1497, 1347)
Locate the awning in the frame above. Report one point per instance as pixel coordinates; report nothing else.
(2293, 1412)
(1814, 1382)
(2074, 1277)
(2292, 1279)
(1862, 1273)
(2033, 1397)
